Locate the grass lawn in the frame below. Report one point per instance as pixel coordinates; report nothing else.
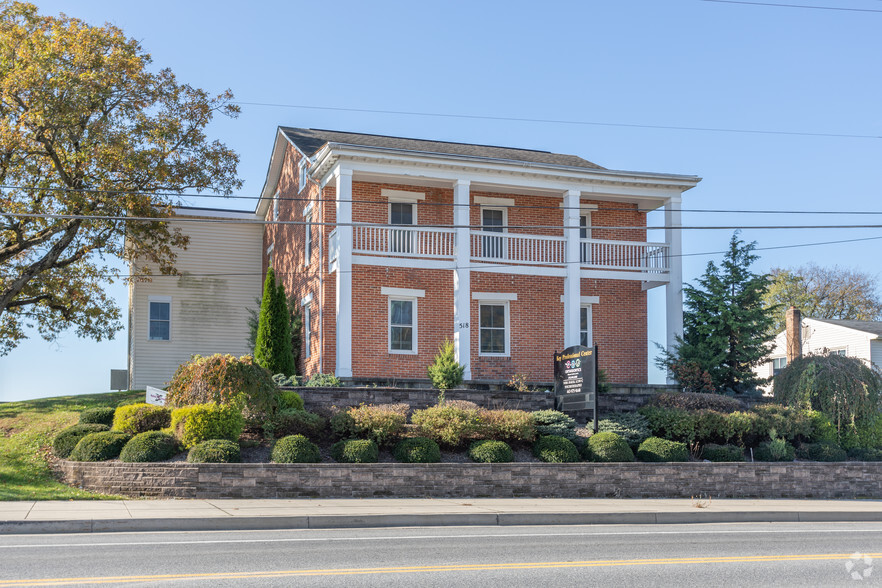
(26, 432)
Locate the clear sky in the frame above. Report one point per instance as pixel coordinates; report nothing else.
(627, 67)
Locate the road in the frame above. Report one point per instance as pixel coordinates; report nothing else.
(782, 554)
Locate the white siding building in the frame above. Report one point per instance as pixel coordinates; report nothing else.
(202, 310)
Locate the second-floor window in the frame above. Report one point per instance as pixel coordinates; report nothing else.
(493, 221)
(160, 319)
(584, 233)
(402, 213)
(301, 174)
(307, 242)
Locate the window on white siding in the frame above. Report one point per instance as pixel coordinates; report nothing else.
(402, 325)
(160, 319)
(494, 328)
(301, 174)
(841, 351)
(778, 364)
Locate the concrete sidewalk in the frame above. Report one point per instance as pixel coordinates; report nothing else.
(233, 514)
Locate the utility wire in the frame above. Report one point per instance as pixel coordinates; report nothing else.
(794, 6)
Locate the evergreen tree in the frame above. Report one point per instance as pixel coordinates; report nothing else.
(273, 347)
(726, 327)
(296, 328)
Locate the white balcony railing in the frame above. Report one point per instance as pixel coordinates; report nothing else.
(518, 248)
(404, 242)
(624, 255)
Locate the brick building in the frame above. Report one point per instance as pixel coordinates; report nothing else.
(392, 245)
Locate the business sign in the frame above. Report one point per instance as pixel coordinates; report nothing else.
(575, 379)
(155, 396)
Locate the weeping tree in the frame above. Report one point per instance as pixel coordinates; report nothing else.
(844, 389)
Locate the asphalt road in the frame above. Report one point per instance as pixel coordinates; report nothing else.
(783, 554)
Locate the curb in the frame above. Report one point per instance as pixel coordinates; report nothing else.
(426, 520)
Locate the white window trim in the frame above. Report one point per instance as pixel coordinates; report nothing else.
(590, 308)
(301, 174)
(402, 292)
(504, 211)
(306, 299)
(494, 296)
(389, 210)
(276, 205)
(414, 325)
(167, 299)
(505, 303)
(306, 305)
(307, 241)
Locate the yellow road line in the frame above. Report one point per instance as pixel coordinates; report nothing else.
(436, 568)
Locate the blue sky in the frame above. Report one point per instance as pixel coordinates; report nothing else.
(646, 63)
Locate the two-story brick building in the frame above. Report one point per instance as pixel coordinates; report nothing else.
(393, 245)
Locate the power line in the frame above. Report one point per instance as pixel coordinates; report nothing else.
(424, 203)
(560, 121)
(794, 6)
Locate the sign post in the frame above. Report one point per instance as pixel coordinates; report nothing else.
(575, 380)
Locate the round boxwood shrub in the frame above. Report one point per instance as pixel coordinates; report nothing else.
(294, 422)
(290, 400)
(656, 449)
(101, 415)
(555, 449)
(68, 438)
(417, 450)
(296, 449)
(215, 451)
(606, 446)
(821, 452)
(490, 451)
(149, 446)
(553, 422)
(355, 451)
(141, 417)
(717, 453)
(195, 424)
(100, 446)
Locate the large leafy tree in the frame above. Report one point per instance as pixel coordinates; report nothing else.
(726, 327)
(825, 293)
(90, 134)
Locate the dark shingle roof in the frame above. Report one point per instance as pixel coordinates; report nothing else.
(311, 140)
(874, 327)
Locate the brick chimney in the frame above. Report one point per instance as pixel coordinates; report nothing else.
(794, 334)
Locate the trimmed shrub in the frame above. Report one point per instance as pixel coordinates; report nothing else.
(606, 446)
(140, 418)
(554, 449)
(323, 381)
(382, 424)
(215, 451)
(417, 450)
(507, 425)
(721, 453)
(445, 373)
(822, 451)
(296, 449)
(555, 423)
(670, 423)
(355, 451)
(100, 415)
(633, 427)
(68, 438)
(149, 446)
(695, 401)
(659, 450)
(792, 424)
(490, 451)
(447, 424)
(290, 400)
(100, 446)
(282, 380)
(865, 454)
(775, 450)
(194, 424)
(294, 422)
(225, 380)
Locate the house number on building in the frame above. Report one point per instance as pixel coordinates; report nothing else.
(462, 325)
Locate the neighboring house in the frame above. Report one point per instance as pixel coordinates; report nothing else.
(393, 245)
(861, 339)
(202, 310)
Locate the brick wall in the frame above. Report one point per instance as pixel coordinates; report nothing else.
(456, 480)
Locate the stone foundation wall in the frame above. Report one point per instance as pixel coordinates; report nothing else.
(457, 480)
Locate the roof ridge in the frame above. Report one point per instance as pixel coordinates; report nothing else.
(431, 140)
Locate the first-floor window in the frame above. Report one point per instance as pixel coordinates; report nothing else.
(584, 326)
(493, 329)
(402, 325)
(778, 364)
(307, 331)
(160, 320)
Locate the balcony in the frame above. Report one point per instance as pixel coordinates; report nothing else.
(502, 252)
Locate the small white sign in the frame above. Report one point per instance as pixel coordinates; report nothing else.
(155, 396)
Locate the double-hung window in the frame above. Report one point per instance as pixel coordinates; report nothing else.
(493, 221)
(585, 326)
(306, 317)
(778, 364)
(301, 174)
(494, 324)
(402, 213)
(307, 241)
(160, 318)
(402, 319)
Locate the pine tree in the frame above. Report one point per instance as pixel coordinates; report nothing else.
(726, 328)
(445, 373)
(273, 347)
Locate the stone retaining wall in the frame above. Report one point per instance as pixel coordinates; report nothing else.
(457, 480)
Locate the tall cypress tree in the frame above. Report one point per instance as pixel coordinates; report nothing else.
(726, 328)
(273, 347)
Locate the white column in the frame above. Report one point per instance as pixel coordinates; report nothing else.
(462, 279)
(674, 288)
(344, 272)
(572, 290)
